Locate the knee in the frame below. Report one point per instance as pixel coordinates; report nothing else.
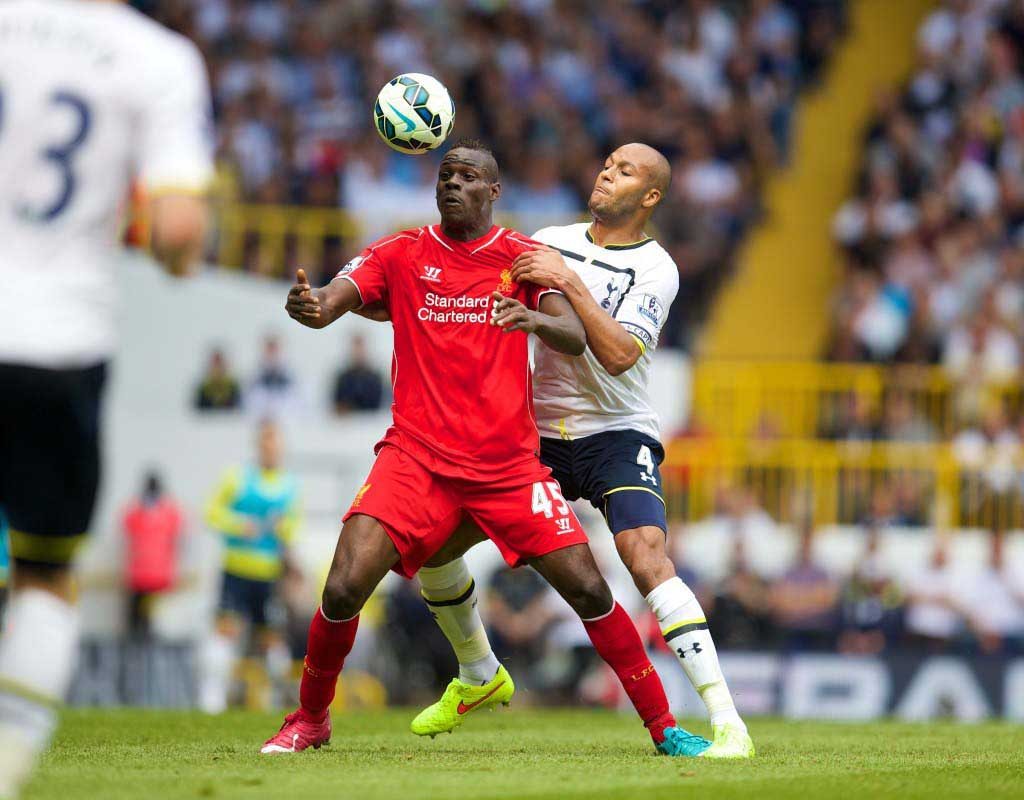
(643, 552)
(342, 598)
(590, 597)
(52, 578)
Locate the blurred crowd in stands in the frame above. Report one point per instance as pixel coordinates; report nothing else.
(933, 235)
(870, 601)
(551, 85)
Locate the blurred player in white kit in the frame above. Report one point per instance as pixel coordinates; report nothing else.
(94, 98)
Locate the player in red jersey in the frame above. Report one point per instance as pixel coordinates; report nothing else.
(463, 441)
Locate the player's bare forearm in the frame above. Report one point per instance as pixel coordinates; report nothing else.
(555, 324)
(613, 346)
(178, 229)
(559, 326)
(318, 308)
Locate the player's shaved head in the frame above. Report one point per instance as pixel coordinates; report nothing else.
(482, 157)
(652, 163)
(633, 181)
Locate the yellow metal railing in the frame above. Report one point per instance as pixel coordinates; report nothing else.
(274, 240)
(810, 399)
(845, 482)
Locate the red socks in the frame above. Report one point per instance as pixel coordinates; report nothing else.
(328, 644)
(616, 640)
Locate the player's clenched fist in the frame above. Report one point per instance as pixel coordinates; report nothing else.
(511, 315)
(303, 304)
(544, 267)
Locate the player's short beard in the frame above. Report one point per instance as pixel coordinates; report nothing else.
(613, 211)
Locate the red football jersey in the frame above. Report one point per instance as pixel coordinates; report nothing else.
(153, 531)
(463, 395)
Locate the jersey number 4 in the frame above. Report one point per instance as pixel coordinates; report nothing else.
(544, 494)
(646, 460)
(60, 155)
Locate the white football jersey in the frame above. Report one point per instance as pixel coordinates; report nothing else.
(93, 96)
(636, 284)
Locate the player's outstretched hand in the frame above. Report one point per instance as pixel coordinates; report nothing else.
(303, 304)
(543, 267)
(511, 315)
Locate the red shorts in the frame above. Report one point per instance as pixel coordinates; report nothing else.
(420, 510)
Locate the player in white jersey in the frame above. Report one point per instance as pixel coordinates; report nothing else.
(94, 98)
(599, 436)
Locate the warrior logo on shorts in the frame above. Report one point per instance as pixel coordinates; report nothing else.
(505, 287)
(359, 495)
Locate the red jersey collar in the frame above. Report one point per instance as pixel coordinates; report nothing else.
(474, 244)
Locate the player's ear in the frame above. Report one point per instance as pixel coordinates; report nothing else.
(652, 198)
(495, 191)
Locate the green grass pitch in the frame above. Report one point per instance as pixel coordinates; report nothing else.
(517, 754)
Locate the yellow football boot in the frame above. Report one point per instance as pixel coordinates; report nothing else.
(459, 699)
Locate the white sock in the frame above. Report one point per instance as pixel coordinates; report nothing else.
(450, 593)
(685, 629)
(216, 660)
(38, 652)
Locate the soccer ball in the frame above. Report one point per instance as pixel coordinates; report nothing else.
(413, 113)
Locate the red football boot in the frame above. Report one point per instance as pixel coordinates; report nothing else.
(299, 731)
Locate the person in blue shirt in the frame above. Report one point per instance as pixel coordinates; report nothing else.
(255, 510)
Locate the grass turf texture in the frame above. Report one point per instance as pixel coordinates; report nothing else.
(516, 754)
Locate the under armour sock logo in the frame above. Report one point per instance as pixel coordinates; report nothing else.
(695, 650)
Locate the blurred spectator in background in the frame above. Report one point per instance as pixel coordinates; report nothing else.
(933, 616)
(988, 455)
(153, 524)
(741, 611)
(420, 653)
(853, 421)
(995, 603)
(542, 193)
(218, 388)
(981, 350)
(803, 601)
(519, 616)
(357, 386)
(870, 616)
(255, 509)
(882, 510)
(273, 393)
(902, 421)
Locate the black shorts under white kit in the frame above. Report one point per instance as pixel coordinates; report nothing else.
(617, 471)
(49, 457)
